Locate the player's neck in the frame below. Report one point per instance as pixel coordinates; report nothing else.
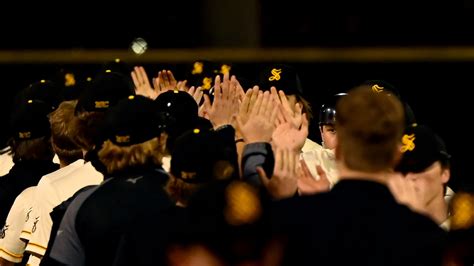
(437, 209)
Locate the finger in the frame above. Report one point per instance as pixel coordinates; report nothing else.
(291, 162)
(279, 161)
(253, 98)
(274, 93)
(144, 76)
(191, 91)
(274, 114)
(244, 106)
(207, 102)
(305, 169)
(257, 105)
(321, 173)
(217, 87)
(135, 79)
(198, 95)
(263, 176)
(166, 81)
(182, 85)
(264, 107)
(160, 81)
(284, 100)
(173, 82)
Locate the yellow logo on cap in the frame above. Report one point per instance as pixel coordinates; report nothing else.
(225, 69)
(122, 139)
(376, 88)
(408, 142)
(196, 131)
(187, 175)
(101, 104)
(131, 97)
(206, 83)
(69, 80)
(24, 135)
(275, 75)
(198, 68)
(243, 204)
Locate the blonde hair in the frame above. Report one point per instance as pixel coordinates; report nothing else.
(64, 132)
(369, 127)
(117, 158)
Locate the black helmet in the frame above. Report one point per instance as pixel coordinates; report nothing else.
(327, 113)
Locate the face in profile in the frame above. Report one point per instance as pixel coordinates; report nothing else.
(430, 182)
(328, 136)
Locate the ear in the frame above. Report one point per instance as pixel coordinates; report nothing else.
(445, 175)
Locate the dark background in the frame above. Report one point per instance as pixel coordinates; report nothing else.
(438, 91)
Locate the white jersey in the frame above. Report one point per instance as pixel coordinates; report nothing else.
(52, 195)
(323, 157)
(309, 145)
(6, 163)
(46, 179)
(11, 246)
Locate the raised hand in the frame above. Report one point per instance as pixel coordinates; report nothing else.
(142, 84)
(307, 184)
(225, 104)
(293, 115)
(164, 82)
(287, 135)
(261, 122)
(283, 183)
(196, 93)
(405, 192)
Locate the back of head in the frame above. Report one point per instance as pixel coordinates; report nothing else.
(182, 108)
(199, 158)
(45, 91)
(105, 91)
(369, 126)
(31, 132)
(130, 132)
(64, 126)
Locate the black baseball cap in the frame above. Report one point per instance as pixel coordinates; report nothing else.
(104, 92)
(45, 91)
(30, 120)
(327, 112)
(196, 154)
(382, 86)
(133, 120)
(421, 147)
(283, 77)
